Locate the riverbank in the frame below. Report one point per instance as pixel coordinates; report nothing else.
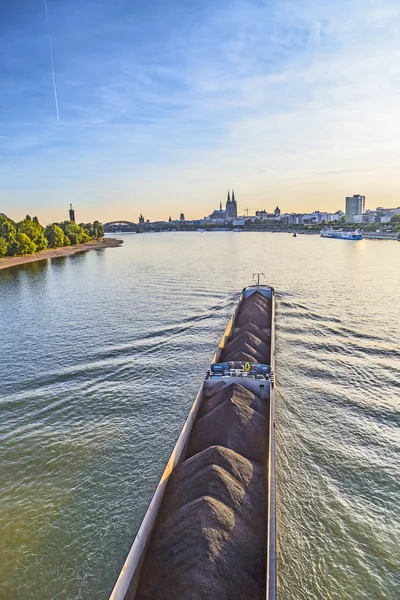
(13, 261)
(373, 235)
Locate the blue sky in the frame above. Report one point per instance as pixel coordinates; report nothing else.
(164, 105)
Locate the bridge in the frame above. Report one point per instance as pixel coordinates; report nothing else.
(112, 226)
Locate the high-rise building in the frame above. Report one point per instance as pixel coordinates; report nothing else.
(71, 214)
(182, 217)
(141, 218)
(355, 207)
(277, 212)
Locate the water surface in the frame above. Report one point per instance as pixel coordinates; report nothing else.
(102, 354)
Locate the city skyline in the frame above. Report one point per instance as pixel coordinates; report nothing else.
(160, 108)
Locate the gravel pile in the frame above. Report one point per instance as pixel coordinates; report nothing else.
(209, 542)
(250, 340)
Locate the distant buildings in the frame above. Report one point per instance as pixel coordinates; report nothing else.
(228, 217)
(383, 215)
(355, 207)
(357, 213)
(265, 216)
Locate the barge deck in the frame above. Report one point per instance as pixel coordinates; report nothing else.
(209, 531)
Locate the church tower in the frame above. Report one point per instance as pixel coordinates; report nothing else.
(228, 206)
(234, 205)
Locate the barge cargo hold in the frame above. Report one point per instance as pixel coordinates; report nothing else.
(210, 530)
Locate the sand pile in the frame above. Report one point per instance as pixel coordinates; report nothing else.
(209, 542)
(210, 538)
(250, 340)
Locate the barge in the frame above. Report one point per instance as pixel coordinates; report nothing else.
(210, 529)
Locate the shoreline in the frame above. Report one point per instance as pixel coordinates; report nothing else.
(14, 261)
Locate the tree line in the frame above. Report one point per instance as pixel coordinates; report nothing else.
(29, 236)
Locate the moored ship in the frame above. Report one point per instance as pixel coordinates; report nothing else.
(210, 530)
(341, 235)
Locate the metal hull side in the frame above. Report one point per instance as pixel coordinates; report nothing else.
(271, 592)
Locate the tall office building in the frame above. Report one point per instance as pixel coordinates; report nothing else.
(355, 206)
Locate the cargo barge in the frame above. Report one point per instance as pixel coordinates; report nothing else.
(210, 529)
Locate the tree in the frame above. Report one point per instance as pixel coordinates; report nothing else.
(8, 232)
(98, 230)
(3, 247)
(7, 228)
(34, 231)
(55, 236)
(23, 245)
(74, 232)
(395, 220)
(88, 227)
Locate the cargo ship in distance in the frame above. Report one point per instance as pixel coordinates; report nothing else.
(341, 235)
(210, 528)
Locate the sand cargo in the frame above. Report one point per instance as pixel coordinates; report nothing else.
(210, 529)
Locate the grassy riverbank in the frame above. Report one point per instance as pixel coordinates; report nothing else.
(12, 261)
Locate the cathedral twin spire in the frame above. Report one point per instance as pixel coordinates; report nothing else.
(231, 206)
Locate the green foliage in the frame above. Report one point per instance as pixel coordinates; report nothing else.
(23, 245)
(74, 232)
(3, 247)
(95, 230)
(55, 236)
(88, 227)
(395, 220)
(29, 236)
(98, 230)
(34, 231)
(8, 231)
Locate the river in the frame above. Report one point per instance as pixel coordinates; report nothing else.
(101, 356)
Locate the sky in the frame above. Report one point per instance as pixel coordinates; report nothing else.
(125, 107)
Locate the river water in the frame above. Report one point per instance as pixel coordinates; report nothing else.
(101, 356)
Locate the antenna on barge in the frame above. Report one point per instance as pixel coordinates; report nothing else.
(258, 277)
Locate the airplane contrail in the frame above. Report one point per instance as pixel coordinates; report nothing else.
(51, 58)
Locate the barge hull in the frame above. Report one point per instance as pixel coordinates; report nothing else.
(263, 388)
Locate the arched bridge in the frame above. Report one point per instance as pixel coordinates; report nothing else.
(120, 226)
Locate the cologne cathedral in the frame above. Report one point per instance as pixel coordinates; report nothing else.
(230, 211)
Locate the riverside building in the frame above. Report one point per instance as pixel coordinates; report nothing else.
(355, 207)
